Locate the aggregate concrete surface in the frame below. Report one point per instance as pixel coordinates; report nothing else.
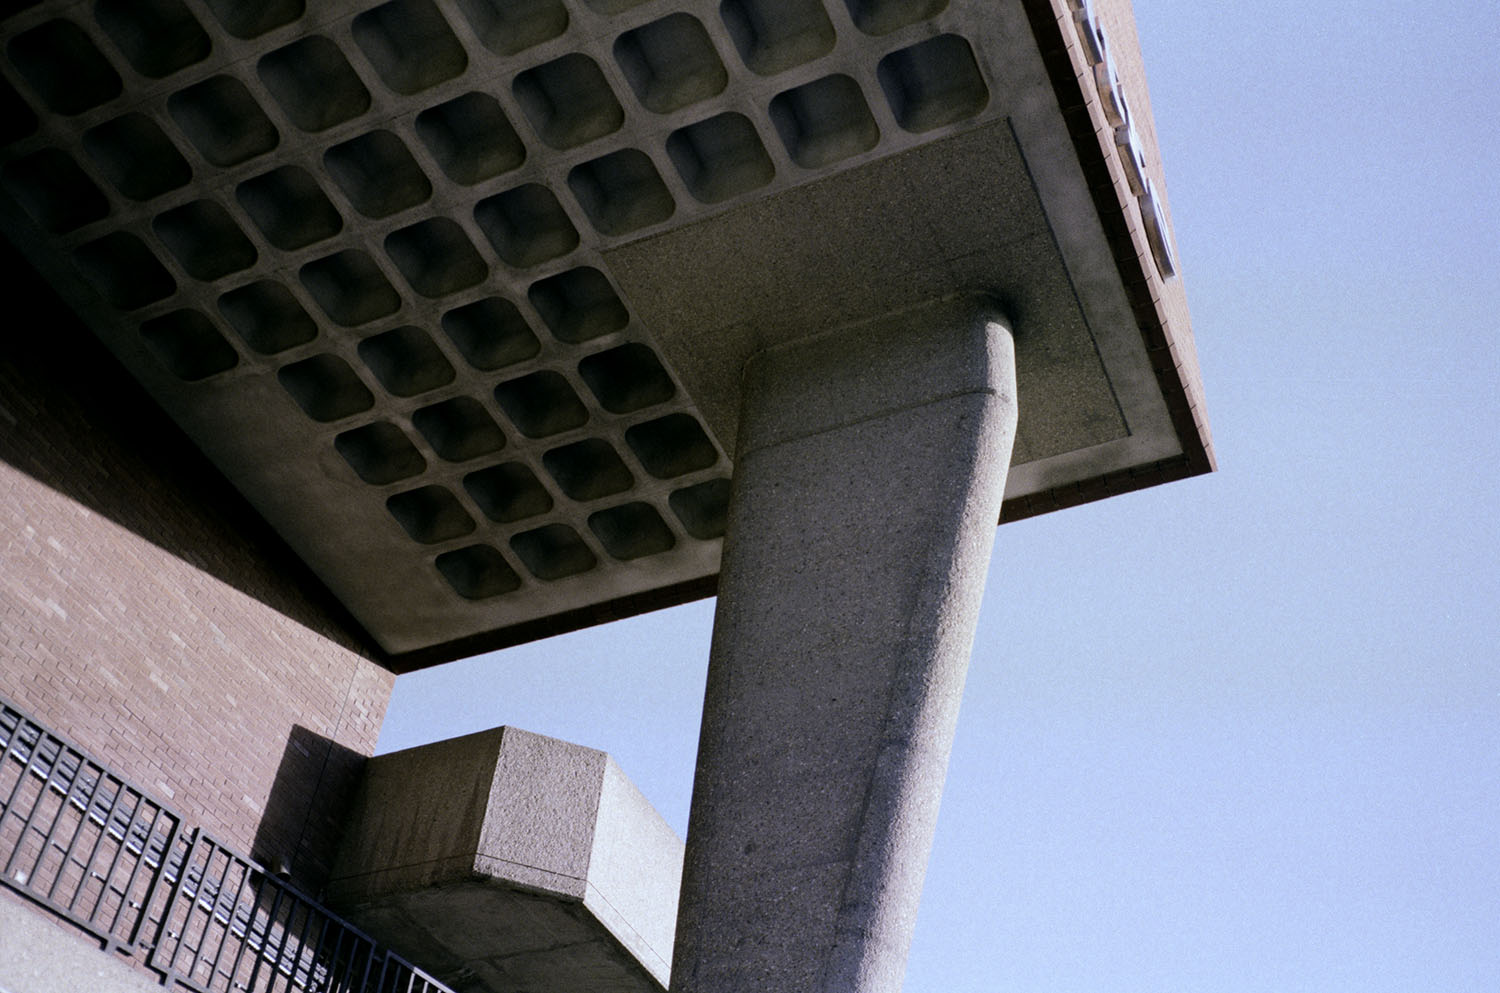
(458, 293)
(509, 860)
(841, 642)
(38, 955)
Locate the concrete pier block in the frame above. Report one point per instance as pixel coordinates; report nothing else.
(871, 467)
(507, 860)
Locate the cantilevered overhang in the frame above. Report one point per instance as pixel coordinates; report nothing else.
(458, 293)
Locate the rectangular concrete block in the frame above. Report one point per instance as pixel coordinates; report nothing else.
(508, 860)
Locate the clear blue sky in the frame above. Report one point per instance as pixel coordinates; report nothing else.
(1239, 733)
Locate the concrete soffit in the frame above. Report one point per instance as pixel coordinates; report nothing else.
(459, 297)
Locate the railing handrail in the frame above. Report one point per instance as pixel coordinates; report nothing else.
(164, 896)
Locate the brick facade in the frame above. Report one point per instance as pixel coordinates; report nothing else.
(147, 613)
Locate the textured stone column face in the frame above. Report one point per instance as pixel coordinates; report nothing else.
(868, 481)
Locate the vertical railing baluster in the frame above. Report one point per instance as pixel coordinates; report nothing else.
(260, 889)
(366, 963)
(286, 934)
(41, 795)
(239, 889)
(260, 957)
(168, 967)
(350, 958)
(25, 763)
(314, 956)
(104, 833)
(135, 870)
(119, 851)
(88, 809)
(65, 789)
(301, 944)
(212, 910)
(174, 834)
(304, 951)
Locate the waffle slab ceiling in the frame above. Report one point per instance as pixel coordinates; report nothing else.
(458, 293)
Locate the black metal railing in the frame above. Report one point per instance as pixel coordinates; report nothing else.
(90, 847)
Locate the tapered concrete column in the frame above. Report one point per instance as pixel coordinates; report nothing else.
(868, 480)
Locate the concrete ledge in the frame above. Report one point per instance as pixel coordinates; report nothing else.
(507, 860)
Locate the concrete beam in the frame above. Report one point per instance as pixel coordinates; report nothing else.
(871, 466)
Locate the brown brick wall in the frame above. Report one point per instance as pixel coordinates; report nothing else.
(149, 615)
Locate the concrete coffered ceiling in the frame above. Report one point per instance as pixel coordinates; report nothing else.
(457, 293)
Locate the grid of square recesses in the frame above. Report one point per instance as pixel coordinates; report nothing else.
(575, 453)
(399, 214)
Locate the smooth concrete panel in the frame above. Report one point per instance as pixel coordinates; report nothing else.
(955, 215)
(869, 474)
(635, 849)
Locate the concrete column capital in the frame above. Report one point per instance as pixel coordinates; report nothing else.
(944, 348)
